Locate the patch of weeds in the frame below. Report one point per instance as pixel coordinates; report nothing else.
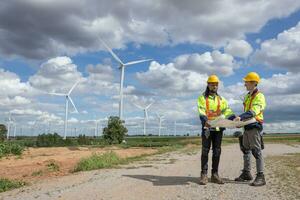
(52, 166)
(6, 184)
(98, 161)
(37, 173)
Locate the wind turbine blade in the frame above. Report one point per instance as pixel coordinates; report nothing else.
(158, 116)
(73, 104)
(136, 62)
(111, 52)
(146, 113)
(57, 94)
(149, 105)
(73, 87)
(140, 107)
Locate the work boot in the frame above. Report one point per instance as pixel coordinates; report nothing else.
(203, 179)
(259, 180)
(245, 176)
(216, 179)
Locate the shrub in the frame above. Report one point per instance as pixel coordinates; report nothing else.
(115, 131)
(49, 140)
(3, 132)
(83, 140)
(10, 148)
(6, 184)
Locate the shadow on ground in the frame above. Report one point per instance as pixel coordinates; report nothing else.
(166, 180)
(175, 180)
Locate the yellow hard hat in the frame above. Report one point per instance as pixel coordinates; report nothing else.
(252, 76)
(213, 79)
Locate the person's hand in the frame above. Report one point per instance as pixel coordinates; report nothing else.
(237, 119)
(207, 125)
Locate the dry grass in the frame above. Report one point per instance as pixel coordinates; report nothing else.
(284, 175)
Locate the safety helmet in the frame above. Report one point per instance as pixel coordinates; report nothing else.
(252, 76)
(213, 79)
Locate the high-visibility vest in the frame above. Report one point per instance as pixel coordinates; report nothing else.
(248, 106)
(211, 114)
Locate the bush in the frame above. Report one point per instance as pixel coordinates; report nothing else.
(6, 184)
(115, 131)
(49, 140)
(3, 132)
(83, 140)
(10, 148)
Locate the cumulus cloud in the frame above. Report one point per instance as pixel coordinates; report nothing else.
(42, 29)
(11, 85)
(213, 62)
(57, 74)
(171, 81)
(238, 48)
(281, 52)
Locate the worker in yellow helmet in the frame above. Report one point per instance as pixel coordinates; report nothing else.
(254, 106)
(210, 106)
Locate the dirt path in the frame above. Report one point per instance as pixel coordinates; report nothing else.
(168, 176)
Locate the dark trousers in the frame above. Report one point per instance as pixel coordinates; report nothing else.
(215, 138)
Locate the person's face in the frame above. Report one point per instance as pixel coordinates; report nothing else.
(213, 87)
(250, 85)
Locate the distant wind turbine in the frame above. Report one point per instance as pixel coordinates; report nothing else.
(68, 98)
(145, 109)
(10, 120)
(160, 120)
(122, 68)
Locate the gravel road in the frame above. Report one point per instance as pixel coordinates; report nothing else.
(168, 176)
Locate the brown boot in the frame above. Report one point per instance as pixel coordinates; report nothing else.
(203, 179)
(216, 179)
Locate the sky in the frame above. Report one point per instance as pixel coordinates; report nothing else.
(48, 45)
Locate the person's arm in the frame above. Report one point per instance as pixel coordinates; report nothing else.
(226, 110)
(202, 111)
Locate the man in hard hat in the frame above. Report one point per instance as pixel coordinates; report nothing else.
(210, 106)
(254, 106)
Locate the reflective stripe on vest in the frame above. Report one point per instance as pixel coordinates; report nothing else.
(210, 113)
(250, 106)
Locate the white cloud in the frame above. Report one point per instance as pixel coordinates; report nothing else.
(238, 48)
(171, 81)
(100, 72)
(11, 85)
(15, 101)
(282, 52)
(213, 62)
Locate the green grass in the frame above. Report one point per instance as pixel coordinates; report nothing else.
(97, 161)
(7, 148)
(6, 184)
(111, 159)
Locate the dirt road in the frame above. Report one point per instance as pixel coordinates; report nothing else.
(168, 176)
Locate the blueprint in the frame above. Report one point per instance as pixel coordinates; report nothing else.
(221, 122)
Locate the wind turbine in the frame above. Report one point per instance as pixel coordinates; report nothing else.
(160, 119)
(122, 68)
(68, 98)
(10, 121)
(145, 109)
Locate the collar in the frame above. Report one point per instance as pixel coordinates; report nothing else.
(254, 92)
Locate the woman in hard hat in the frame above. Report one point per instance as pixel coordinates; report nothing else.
(210, 106)
(254, 106)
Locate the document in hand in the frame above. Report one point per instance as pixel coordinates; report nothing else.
(221, 122)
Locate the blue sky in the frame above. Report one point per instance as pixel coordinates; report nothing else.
(47, 46)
